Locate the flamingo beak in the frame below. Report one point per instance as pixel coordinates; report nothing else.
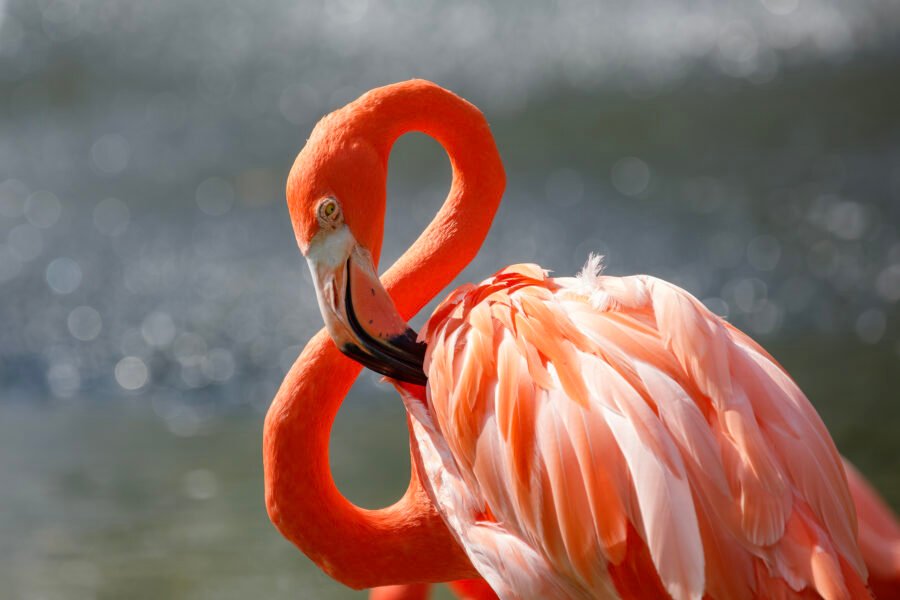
(361, 317)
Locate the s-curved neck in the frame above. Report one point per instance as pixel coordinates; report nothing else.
(456, 233)
(406, 542)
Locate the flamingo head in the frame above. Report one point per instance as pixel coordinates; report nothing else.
(336, 197)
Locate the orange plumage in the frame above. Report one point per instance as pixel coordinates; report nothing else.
(651, 423)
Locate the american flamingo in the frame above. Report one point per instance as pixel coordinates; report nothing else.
(570, 437)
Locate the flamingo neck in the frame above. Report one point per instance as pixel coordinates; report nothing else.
(456, 233)
(406, 542)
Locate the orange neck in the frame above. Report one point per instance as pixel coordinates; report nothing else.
(407, 542)
(456, 233)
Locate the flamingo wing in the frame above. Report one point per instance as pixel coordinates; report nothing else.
(599, 436)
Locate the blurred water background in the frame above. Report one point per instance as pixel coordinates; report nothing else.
(153, 296)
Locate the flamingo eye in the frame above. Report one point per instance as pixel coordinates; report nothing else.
(329, 211)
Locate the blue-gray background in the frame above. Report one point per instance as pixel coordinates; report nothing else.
(152, 296)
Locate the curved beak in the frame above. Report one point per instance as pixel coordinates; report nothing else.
(359, 313)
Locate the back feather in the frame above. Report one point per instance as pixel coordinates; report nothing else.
(594, 428)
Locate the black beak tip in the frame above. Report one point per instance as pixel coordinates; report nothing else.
(400, 357)
(412, 353)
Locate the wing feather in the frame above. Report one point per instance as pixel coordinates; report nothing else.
(603, 426)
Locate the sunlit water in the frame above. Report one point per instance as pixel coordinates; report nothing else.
(152, 295)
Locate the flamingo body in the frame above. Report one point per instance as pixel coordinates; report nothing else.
(585, 437)
(595, 436)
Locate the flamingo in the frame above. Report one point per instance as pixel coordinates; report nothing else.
(570, 437)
